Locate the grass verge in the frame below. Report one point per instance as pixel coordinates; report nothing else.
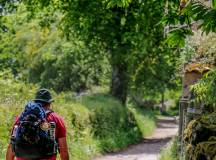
(95, 123)
(171, 151)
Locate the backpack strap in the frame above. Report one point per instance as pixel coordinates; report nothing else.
(48, 112)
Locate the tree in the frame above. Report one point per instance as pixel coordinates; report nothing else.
(195, 15)
(186, 16)
(36, 52)
(122, 27)
(130, 33)
(156, 74)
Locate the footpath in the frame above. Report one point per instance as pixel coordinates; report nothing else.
(150, 147)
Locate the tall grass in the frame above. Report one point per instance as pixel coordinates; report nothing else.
(145, 120)
(171, 151)
(96, 123)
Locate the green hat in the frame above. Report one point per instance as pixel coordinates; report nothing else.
(43, 95)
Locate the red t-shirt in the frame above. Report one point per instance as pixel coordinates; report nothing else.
(60, 130)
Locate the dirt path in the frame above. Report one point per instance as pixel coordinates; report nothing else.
(150, 147)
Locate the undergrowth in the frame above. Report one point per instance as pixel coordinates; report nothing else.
(170, 152)
(96, 123)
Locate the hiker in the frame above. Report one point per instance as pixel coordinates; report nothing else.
(38, 133)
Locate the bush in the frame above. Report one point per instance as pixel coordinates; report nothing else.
(41, 55)
(96, 123)
(171, 151)
(145, 120)
(12, 99)
(110, 125)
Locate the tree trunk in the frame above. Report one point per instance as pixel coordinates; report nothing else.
(119, 85)
(163, 106)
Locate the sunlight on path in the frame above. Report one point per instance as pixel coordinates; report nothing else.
(150, 147)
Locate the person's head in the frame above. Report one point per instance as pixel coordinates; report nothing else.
(44, 97)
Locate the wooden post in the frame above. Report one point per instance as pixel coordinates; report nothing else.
(184, 102)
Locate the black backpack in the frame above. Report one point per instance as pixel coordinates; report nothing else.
(33, 137)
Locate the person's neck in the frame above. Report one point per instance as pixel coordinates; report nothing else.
(46, 108)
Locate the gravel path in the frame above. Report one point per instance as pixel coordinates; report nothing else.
(150, 147)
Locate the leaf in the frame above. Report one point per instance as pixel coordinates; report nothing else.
(177, 37)
(123, 21)
(214, 4)
(118, 3)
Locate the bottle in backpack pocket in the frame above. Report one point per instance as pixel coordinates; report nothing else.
(15, 129)
(13, 137)
(52, 130)
(52, 134)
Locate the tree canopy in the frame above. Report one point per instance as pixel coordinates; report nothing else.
(67, 34)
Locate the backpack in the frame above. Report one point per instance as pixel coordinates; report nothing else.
(33, 137)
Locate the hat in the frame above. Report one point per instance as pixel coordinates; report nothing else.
(43, 95)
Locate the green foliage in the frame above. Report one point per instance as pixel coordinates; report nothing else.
(145, 120)
(177, 37)
(156, 77)
(195, 12)
(7, 6)
(214, 4)
(95, 123)
(129, 31)
(170, 152)
(10, 105)
(41, 55)
(205, 89)
(204, 13)
(120, 35)
(172, 97)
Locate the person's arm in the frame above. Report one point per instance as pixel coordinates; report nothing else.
(10, 155)
(63, 148)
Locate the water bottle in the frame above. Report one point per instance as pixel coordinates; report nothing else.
(15, 129)
(52, 130)
(14, 133)
(52, 134)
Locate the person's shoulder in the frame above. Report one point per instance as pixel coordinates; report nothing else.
(56, 116)
(60, 124)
